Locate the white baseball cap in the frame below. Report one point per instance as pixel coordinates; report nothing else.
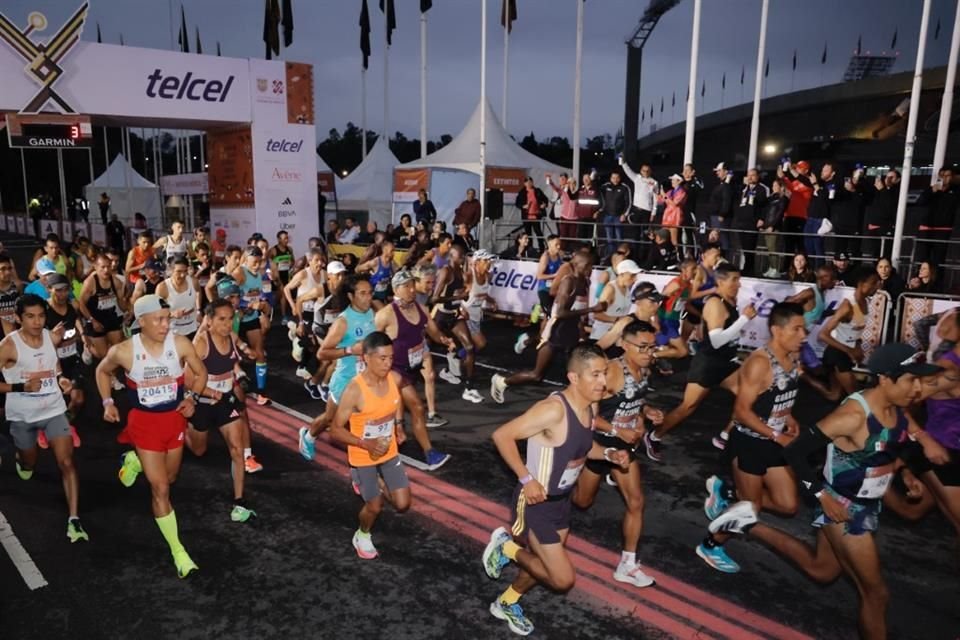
(148, 304)
(628, 266)
(336, 267)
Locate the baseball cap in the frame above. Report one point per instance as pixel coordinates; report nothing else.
(841, 256)
(803, 164)
(156, 265)
(896, 358)
(720, 165)
(627, 266)
(58, 281)
(676, 176)
(45, 266)
(148, 304)
(401, 277)
(646, 291)
(336, 267)
(483, 254)
(221, 233)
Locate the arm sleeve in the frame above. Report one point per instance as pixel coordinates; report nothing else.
(720, 337)
(797, 455)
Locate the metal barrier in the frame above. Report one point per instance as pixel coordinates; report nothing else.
(912, 308)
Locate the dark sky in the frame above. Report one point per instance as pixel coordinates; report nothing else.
(541, 52)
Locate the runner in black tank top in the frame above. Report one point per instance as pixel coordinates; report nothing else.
(556, 453)
(449, 295)
(62, 315)
(102, 304)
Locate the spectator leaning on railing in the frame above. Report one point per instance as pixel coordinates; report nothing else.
(772, 220)
(827, 192)
(645, 191)
(796, 177)
(615, 202)
(748, 220)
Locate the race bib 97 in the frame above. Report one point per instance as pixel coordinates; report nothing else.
(378, 428)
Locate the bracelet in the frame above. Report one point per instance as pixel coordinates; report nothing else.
(775, 435)
(607, 451)
(107, 402)
(613, 431)
(17, 387)
(526, 479)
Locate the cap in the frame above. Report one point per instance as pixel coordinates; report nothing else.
(646, 291)
(58, 281)
(228, 287)
(156, 265)
(720, 165)
(803, 164)
(221, 232)
(841, 256)
(676, 176)
(896, 358)
(148, 304)
(335, 267)
(663, 234)
(401, 277)
(627, 266)
(45, 266)
(483, 254)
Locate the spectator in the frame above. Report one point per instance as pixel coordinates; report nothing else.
(418, 250)
(349, 262)
(521, 249)
(463, 238)
(694, 187)
(796, 178)
(104, 204)
(615, 202)
(468, 211)
(565, 206)
(423, 209)
(439, 229)
(827, 191)
(799, 270)
(845, 270)
(926, 279)
(673, 204)
(349, 233)
(772, 220)
(404, 234)
(720, 204)
(662, 254)
(890, 280)
(333, 230)
(366, 236)
(937, 224)
(532, 203)
(645, 192)
(116, 234)
(748, 220)
(588, 204)
(881, 214)
(846, 215)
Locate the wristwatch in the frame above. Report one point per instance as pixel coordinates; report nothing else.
(192, 395)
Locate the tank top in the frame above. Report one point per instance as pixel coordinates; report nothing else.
(176, 250)
(729, 350)
(618, 308)
(380, 279)
(477, 298)
(375, 421)
(283, 259)
(440, 261)
(139, 257)
(455, 284)
(557, 468)
(326, 311)
(408, 346)
(673, 306)
(611, 276)
(220, 374)
(552, 265)
(250, 291)
(866, 474)
(811, 317)
(103, 304)
(359, 326)
(150, 287)
(310, 283)
(776, 402)
(186, 299)
(943, 416)
(849, 332)
(566, 331)
(155, 384)
(709, 283)
(623, 409)
(34, 364)
(68, 346)
(8, 305)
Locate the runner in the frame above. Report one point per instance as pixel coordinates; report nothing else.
(138, 257)
(328, 305)
(811, 353)
(9, 293)
(407, 324)
(233, 257)
(381, 269)
(202, 272)
(181, 292)
(64, 321)
(160, 405)
(448, 296)
(559, 441)
(562, 331)
(282, 258)
(174, 245)
(842, 332)
(425, 280)
(153, 272)
(620, 425)
(479, 283)
(863, 438)
(218, 247)
(547, 268)
(715, 364)
(219, 407)
(616, 295)
(250, 281)
(309, 286)
(703, 285)
(372, 406)
(34, 402)
(102, 305)
(767, 389)
(646, 307)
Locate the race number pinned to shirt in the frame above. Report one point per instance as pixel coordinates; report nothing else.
(157, 391)
(875, 482)
(378, 428)
(415, 355)
(47, 378)
(571, 473)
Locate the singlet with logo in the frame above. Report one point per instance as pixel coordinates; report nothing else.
(624, 409)
(34, 364)
(8, 306)
(250, 290)
(775, 403)
(175, 250)
(557, 467)
(729, 350)
(359, 326)
(186, 299)
(619, 308)
(380, 279)
(440, 261)
(155, 384)
(453, 285)
(553, 264)
(68, 347)
(104, 303)
(220, 366)
(375, 421)
(674, 305)
(566, 331)
(409, 346)
(849, 333)
(307, 307)
(811, 317)
(283, 259)
(943, 416)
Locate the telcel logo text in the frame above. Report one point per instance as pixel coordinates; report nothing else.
(174, 88)
(284, 146)
(513, 279)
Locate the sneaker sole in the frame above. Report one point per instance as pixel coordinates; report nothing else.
(434, 467)
(416, 464)
(497, 613)
(252, 471)
(719, 443)
(365, 556)
(491, 545)
(650, 454)
(628, 580)
(303, 454)
(713, 565)
(711, 500)
(437, 425)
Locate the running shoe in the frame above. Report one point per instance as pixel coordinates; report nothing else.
(25, 474)
(297, 351)
(87, 357)
(493, 557)
(718, 558)
(436, 420)
(291, 331)
(42, 439)
(241, 513)
(313, 390)
(498, 384)
(513, 614)
(356, 486)
(250, 465)
(129, 468)
(303, 373)
(652, 447)
(307, 449)
(324, 392)
(633, 574)
(75, 437)
(521, 344)
(472, 395)
(716, 503)
(185, 566)
(75, 531)
(536, 313)
(611, 480)
(453, 364)
(435, 459)
(364, 545)
(735, 519)
(262, 400)
(720, 440)
(449, 377)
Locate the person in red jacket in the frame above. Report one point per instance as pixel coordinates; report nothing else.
(797, 180)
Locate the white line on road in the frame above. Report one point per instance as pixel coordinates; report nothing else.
(21, 559)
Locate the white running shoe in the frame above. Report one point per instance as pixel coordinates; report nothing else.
(292, 330)
(303, 373)
(521, 344)
(453, 363)
(449, 377)
(498, 384)
(297, 351)
(735, 519)
(633, 574)
(472, 395)
(364, 546)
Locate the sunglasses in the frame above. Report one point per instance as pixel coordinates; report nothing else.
(647, 347)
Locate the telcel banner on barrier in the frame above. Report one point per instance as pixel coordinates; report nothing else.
(514, 287)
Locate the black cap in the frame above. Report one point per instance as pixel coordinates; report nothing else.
(58, 280)
(897, 358)
(646, 291)
(842, 256)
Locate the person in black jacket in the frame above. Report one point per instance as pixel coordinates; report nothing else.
(846, 215)
(941, 199)
(720, 204)
(662, 255)
(881, 213)
(748, 220)
(615, 202)
(772, 221)
(827, 190)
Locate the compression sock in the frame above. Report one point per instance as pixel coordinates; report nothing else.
(510, 549)
(261, 375)
(510, 596)
(168, 527)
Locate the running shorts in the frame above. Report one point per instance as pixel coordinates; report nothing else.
(545, 520)
(755, 455)
(111, 322)
(156, 430)
(392, 471)
(215, 415)
(602, 467)
(863, 514)
(836, 360)
(249, 324)
(24, 434)
(709, 371)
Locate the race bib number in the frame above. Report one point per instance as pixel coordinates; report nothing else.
(283, 265)
(9, 318)
(67, 350)
(222, 382)
(48, 380)
(309, 305)
(415, 355)
(151, 393)
(108, 302)
(624, 421)
(378, 428)
(571, 473)
(381, 286)
(582, 302)
(267, 286)
(875, 482)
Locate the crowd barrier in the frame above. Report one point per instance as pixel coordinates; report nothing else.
(911, 308)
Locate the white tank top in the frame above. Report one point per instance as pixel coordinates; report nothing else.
(849, 333)
(475, 300)
(34, 364)
(155, 384)
(309, 285)
(186, 299)
(618, 308)
(176, 249)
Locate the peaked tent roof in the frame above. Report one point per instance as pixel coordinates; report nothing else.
(463, 152)
(372, 180)
(323, 166)
(119, 173)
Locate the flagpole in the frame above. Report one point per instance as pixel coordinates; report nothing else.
(577, 92)
(946, 105)
(758, 87)
(911, 134)
(423, 84)
(386, 79)
(363, 110)
(692, 102)
(506, 66)
(483, 116)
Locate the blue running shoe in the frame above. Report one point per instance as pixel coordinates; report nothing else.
(435, 459)
(307, 449)
(718, 559)
(493, 558)
(513, 614)
(715, 504)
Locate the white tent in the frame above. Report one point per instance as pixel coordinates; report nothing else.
(370, 186)
(129, 193)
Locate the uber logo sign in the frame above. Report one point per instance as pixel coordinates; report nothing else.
(174, 88)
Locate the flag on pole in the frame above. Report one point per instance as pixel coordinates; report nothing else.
(183, 40)
(794, 59)
(287, 23)
(271, 25)
(673, 100)
(643, 116)
(121, 39)
(723, 81)
(661, 104)
(703, 89)
(388, 9)
(218, 48)
(365, 34)
(743, 73)
(893, 43)
(99, 37)
(508, 13)
(936, 32)
(766, 68)
(425, 5)
(688, 93)
(651, 111)
(199, 48)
